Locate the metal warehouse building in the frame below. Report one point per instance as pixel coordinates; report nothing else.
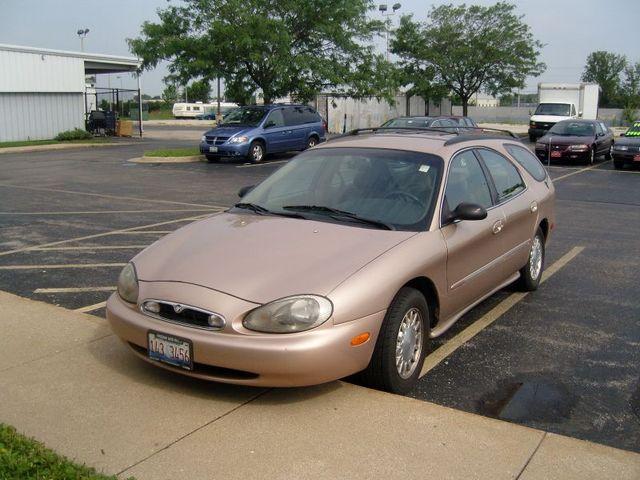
(43, 92)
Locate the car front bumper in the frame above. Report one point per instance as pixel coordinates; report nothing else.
(565, 155)
(316, 356)
(626, 156)
(225, 150)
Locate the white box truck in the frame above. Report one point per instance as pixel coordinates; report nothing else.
(562, 101)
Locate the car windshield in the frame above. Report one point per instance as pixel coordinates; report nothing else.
(634, 130)
(407, 122)
(250, 116)
(363, 187)
(574, 129)
(558, 109)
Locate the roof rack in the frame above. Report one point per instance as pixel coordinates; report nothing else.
(461, 132)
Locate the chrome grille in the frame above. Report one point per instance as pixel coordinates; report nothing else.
(216, 140)
(182, 314)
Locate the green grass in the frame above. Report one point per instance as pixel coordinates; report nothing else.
(173, 152)
(27, 459)
(30, 143)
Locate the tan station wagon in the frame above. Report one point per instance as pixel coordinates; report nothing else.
(348, 259)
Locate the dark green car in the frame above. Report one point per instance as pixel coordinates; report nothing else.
(626, 150)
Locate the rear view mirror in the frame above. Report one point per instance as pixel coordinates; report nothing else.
(469, 211)
(244, 190)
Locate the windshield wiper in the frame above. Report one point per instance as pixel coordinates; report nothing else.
(334, 212)
(260, 210)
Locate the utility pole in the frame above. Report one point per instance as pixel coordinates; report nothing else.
(384, 11)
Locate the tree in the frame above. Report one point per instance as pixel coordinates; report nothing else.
(170, 93)
(467, 49)
(604, 68)
(199, 91)
(288, 47)
(631, 92)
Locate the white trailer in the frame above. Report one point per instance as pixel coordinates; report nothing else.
(562, 101)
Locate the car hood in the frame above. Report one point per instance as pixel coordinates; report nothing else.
(227, 131)
(548, 118)
(263, 258)
(629, 141)
(565, 140)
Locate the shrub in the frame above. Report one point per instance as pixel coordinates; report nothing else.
(629, 114)
(75, 134)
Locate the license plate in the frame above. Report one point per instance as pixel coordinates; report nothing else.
(636, 158)
(175, 351)
(213, 149)
(556, 154)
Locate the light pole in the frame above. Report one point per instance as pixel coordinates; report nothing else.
(82, 32)
(385, 13)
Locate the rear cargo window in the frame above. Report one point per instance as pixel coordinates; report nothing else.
(528, 161)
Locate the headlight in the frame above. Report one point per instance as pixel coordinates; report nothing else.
(289, 315)
(240, 139)
(541, 146)
(620, 147)
(128, 284)
(579, 148)
(204, 138)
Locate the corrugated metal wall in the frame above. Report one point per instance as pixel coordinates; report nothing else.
(39, 116)
(32, 72)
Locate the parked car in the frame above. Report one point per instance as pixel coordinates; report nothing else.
(626, 150)
(439, 121)
(350, 258)
(575, 140)
(255, 131)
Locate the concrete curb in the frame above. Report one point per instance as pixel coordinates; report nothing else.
(67, 381)
(188, 159)
(61, 146)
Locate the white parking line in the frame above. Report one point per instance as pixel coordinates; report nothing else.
(435, 358)
(104, 195)
(60, 266)
(105, 212)
(104, 234)
(101, 247)
(74, 290)
(91, 308)
(561, 177)
(251, 165)
(156, 232)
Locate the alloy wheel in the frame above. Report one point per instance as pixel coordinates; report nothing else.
(409, 343)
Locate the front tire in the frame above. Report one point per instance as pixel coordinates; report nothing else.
(618, 164)
(532, 139)
(256, 152)
(592, 156)
(531, 273)
(402, 343)
(212, 158)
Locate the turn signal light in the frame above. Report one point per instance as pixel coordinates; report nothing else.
(360, 339)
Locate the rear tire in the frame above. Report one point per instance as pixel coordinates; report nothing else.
(402, 343)
(312, 142)
(531, 273)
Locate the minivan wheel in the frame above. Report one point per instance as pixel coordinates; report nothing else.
(402, 343)
(312, 142)
(531, 273)
(256, 152)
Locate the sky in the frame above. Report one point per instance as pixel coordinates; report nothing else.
(570, 30)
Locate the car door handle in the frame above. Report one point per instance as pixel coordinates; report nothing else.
(497, 227)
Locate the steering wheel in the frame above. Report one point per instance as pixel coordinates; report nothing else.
(405, 195)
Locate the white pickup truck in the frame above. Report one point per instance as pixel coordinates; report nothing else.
(562, 101)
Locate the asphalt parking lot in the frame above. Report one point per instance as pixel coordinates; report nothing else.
(563, 359)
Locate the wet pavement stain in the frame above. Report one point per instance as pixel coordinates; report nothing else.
(531, 401)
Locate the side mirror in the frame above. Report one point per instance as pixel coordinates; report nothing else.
(270, 124)
(469, 211)
(244, 190)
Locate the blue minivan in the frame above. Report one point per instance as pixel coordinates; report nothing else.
(254, 131)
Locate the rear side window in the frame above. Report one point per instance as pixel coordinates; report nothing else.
(310, 116)
(528, 161)
(506, 178)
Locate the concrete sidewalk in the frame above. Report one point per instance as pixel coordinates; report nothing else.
(67, 381)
